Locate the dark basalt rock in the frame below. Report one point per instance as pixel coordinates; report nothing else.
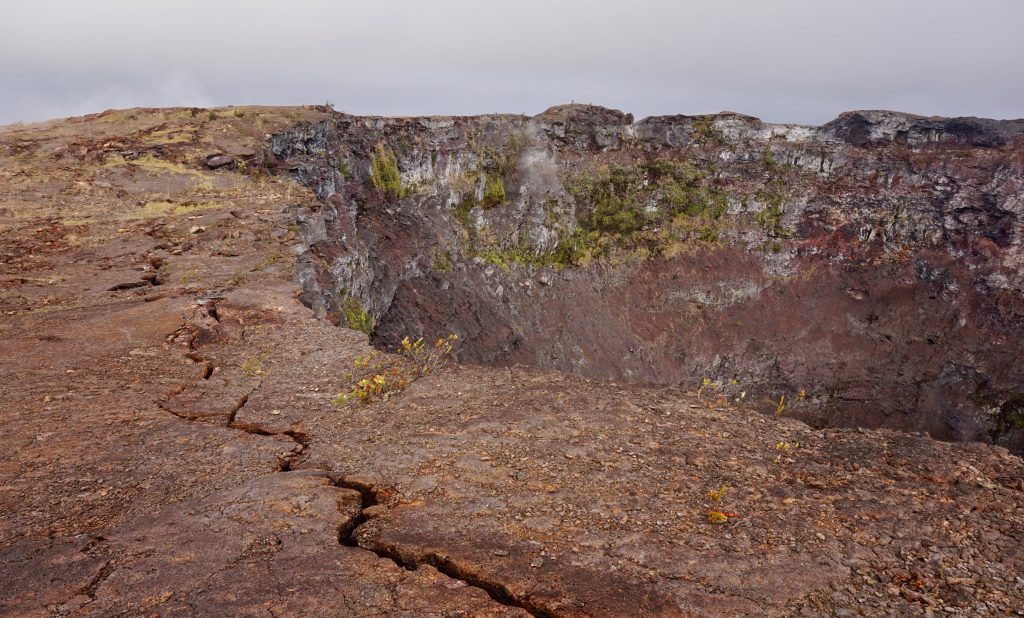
(862, 128)
(585, 127)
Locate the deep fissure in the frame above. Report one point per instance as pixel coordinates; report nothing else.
(347, 533)
(348, 537)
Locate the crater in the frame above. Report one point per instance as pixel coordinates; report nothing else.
(692, 251)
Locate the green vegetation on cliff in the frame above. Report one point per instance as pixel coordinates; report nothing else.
(384, 173)
(356, 317)
(770, 217)
(494, 191)
(654, 206)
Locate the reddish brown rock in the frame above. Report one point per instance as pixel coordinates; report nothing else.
(182, 455)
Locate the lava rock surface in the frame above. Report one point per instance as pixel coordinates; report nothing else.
(175, 447)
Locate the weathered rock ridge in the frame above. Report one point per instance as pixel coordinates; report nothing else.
(869, 271)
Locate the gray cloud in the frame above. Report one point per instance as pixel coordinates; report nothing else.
(784, 61)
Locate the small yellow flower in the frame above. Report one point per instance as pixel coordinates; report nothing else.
(717, 517)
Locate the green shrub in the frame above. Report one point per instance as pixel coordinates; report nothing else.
(621, 199)
(572, 249)
(494, 191)
(523, 255)
(619, 216)
(519, 255)
(614, 196)
(496, 256)
(417, 359)
(440, 261)
(384, 172)
(695, 201)
(708, 235)
(770, 218)
(356, 317)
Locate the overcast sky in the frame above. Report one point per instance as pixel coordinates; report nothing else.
(781, 60)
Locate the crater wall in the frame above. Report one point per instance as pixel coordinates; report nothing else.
(868, 272)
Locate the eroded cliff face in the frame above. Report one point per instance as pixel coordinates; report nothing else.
(867, 272)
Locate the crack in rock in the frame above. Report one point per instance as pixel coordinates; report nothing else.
(97, 580)
(244, 399)
(498, 592)
(347, 533)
